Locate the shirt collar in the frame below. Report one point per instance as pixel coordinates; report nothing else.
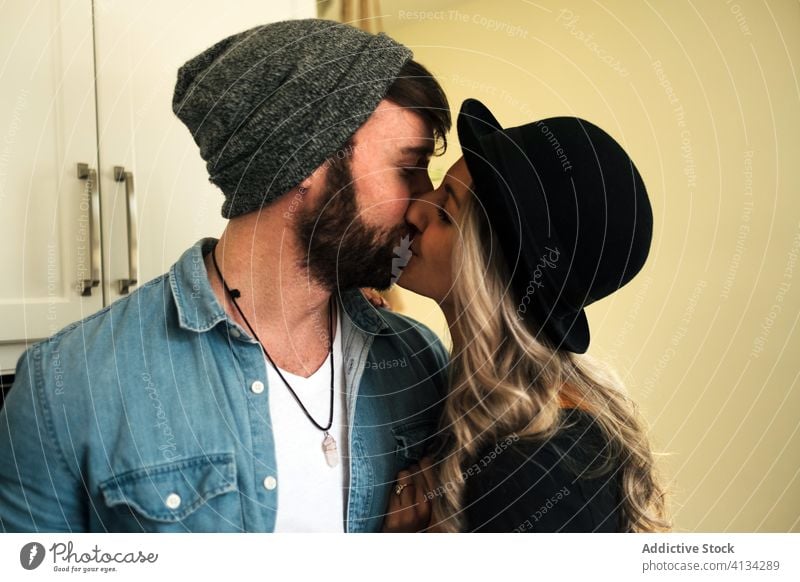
(199, 310)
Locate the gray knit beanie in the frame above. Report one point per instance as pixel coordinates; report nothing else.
(269, 105)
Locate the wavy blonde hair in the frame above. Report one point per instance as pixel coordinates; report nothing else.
(504, 381)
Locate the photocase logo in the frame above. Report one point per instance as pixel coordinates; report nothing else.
(402, 256)
(31, 555)
(545, 262)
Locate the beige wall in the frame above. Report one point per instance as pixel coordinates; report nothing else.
(706, 335)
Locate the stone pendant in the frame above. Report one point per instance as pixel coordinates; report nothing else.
(330, 450)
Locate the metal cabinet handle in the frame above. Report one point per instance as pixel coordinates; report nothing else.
(120, 175)
(85, 173)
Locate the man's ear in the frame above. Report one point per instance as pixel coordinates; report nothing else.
(305, 184)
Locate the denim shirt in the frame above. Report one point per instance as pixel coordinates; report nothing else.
(149, 415)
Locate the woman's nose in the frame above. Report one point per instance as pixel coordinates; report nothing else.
(419, 210)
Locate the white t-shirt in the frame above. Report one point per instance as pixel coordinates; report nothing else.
(312, 496)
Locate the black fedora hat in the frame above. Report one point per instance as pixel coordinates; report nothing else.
(569, 209)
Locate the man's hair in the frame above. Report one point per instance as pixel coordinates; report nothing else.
(416, 89)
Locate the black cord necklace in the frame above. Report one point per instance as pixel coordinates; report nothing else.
(328, 443)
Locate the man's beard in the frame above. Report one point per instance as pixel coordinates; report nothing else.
(340, 250)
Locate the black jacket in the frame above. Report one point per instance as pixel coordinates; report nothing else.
(534, 485)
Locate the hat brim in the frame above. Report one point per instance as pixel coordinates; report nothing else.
(572, 332)
(475, 124)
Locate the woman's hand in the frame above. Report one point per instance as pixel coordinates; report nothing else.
(410, 511)
(374, 297)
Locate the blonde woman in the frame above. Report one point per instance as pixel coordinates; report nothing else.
(533, 224)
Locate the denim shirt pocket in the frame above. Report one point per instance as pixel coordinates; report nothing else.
(192, 494)
(412, 439)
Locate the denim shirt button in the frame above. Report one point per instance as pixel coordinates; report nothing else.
(173, 501)
(257, 387)
(235, 332)
(270, 483)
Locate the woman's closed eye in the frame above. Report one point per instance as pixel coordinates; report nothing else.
(443, 216)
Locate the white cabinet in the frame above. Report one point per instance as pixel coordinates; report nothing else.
(91, 83)
(47, 127)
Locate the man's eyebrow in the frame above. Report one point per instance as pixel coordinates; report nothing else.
(421, 150)
(452, 194)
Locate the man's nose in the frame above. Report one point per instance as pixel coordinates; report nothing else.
(425, 183)
(419, 210)
(421, 185)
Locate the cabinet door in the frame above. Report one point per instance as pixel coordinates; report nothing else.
(47, 127)
(140, 46)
